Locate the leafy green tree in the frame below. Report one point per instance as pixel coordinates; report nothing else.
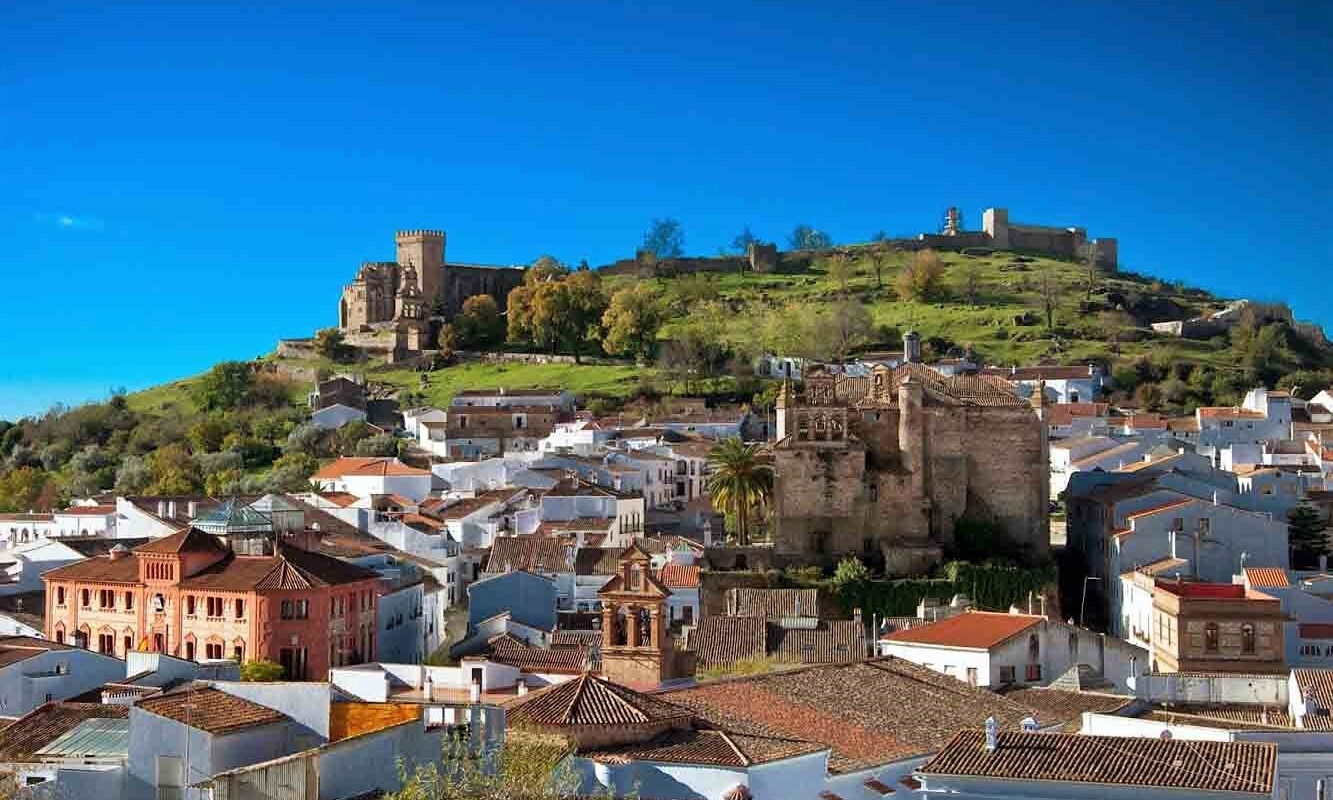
(174, 471)
(134, 475)
(545, 268)
(305, 438)
(518, 318)
(804, 237)
(879, 256)
(841, 268)
(479, 325)
(632, 320)
(261, 671)
(844, 328)
(332, 344)
(347, 437)
(224, 387)
(22, 489)
(206, 435)
(665, 238)
(923, 277)
(378, 445)
(1306, 536)
(447, 341)
(740, 483)
(527, 767)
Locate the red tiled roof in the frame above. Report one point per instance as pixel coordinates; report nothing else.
(1265, 577)
(531, 553)
(589, 700)
(563, 659)
(679, 576)
(1317, 685)
(972, 629)
(742, 602)
(211, 710)
(721, 641)
(343, 499)
(877, 786)
(1251, 767)
(1228, 412)
(718, 748)
(1157, 509)
(366, 466)
(1051, 373)
(189, 540)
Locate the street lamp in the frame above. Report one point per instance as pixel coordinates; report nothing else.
(1084, 606)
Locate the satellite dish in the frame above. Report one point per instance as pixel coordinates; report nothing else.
(1166, 736)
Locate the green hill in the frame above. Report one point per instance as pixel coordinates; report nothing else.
(244, 427)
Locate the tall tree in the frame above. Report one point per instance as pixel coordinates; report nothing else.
(923, 277)
(545, 268)
(841, 268)
(224, 387)
(969, 276)
(479, 325)
(665, 238)
(632, 320)
(740, 484)
(742, 241)
(1049, 290)
(843, 329)
(804, 237)
(879, 256)
(1306, 536)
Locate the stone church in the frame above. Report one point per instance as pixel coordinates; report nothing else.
(886, 464)
(419, 285)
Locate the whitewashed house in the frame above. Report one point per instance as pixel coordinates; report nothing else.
(364, 477)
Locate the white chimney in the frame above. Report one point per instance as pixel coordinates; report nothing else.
(992, 734)
(1029, 724)
(193, 509)
(522, 687)
(162, 508)
(474, 692)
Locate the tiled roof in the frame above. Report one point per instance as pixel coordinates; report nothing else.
(28, 517)
(1161, 565)
(471, 505)
(291, 568)
(48, 722)
(1059, 706)
(531, 553)
(1316, 685)
(829, 641)
(562, 659)
(773, 602)
(1171, 505)
(1266, 577)
(597, 560)
(679, 576)
(98, 569)
(972, 629)
(1223, 716)
(580, 524)
(101, 545)
(366, 466)
(588, 700)
(343, 499)
(1246, 767)
(1048, 373)
(211, 710)
(189, 540)
(1228, 412)
(721, 641)
(713, 747)
(868, 713)
(26, 607)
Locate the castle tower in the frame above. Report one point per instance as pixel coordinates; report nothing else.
(995, 222)
(953, 221)
(424, 250)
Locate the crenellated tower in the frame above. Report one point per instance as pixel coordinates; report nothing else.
(424, 250)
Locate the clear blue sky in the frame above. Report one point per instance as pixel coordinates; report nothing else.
(184, 183)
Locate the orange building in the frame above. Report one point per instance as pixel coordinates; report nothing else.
(199, 596)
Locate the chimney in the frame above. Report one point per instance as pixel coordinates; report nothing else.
(992, 734)
(193, 509)
(1029, 724)
(474, 693)
(162, 508)
(522, 686)
(911, 347)
(171, 509)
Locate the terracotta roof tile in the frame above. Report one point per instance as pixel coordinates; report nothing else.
(589, 700)
(531, 553)
(679, 576)
(1228, 412)
(972, 629)
(1059, 706)
(1115, 761)
(98, 511)
(366, 466)
(189, 540)
(831, 641)
(567, 659)
(597, 560)
(773, 602)
(211, 710)
(868, 713)
(713, 747)
(722, 641)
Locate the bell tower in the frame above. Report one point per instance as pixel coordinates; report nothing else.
(424, 250)
(636, 648)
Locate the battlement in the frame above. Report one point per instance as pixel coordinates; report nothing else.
(418, 234)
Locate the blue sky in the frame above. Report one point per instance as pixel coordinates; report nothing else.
(185, 183)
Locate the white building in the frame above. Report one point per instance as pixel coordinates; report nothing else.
(1062, 384)
(365, 477)
(994, 650)
(37, 671)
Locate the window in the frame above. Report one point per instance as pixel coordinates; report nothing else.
(1177, 524)
(129, 643)
(1033, 673)
(971, 676)
(85, 598)
(213, 650)
(240, 609)
(238, 652)
(60, 595)
(874, 492)
(106, 643)
(215, 606)
(189, 605)
(1210, 637)
(189, 651)
(106, 598)
(295, 609)
(1247, 639)
(129, 601)
(1006, 674)
(1205, 526)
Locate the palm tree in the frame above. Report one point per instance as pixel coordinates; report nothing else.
(740, 482)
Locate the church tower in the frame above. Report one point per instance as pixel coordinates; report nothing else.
(424, 250)
(637, 650)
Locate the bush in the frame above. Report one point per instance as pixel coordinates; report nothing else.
(261, 671)
(380, 445)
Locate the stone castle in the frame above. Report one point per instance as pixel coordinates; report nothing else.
(885, 465)
(419, 285)
(999, 233)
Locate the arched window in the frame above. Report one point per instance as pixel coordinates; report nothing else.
(1247, 638)
(1210, 637)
